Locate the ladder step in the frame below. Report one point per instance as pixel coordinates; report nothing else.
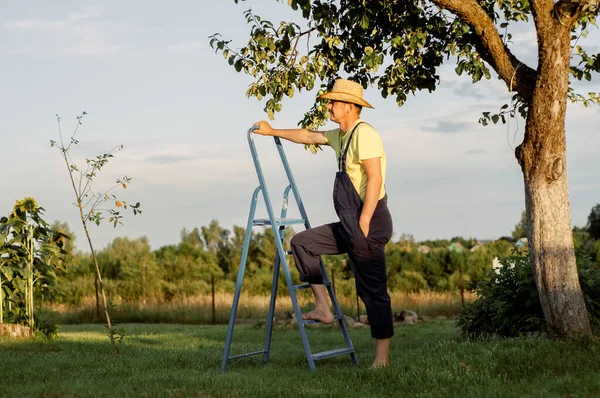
(247, 355)
(332, 353)
(307, 285)
(278, 221)
(310, 321)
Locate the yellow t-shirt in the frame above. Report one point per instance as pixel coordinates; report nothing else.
(366, 144)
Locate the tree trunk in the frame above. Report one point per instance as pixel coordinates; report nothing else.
(111, 331)
(96, 285)
(542, 157)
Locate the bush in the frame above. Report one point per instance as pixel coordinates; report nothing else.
(47, 328)
(508, 302)
(408, 281)
(589, 278)
(74, 291)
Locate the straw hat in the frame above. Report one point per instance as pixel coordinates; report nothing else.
(346, 91)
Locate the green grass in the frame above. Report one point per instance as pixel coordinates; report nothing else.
(427, 360)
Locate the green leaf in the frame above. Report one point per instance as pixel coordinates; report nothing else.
(364, 22)
(459, 68)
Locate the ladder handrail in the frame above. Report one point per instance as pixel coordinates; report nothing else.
(290, 177)
(286, 167)
(261, 177)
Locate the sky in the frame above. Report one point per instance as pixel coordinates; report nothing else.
(148, 80)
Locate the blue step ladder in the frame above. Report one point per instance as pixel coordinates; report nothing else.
(278, 225)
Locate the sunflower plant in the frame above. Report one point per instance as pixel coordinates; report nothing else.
(30, 253)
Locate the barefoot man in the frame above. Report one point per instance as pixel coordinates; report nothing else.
(360, 201)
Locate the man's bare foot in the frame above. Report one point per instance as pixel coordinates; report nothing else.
(382, 349)
(380, 363)
(319, 315)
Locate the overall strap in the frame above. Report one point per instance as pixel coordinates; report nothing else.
(342, 158)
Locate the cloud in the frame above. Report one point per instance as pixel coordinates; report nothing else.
(34, 24)
(55, 25)
(448, 127)
(90, 41)
(86, 13)
(592, 49)
(186, 46)
(467, 89)
(463, 87)
(81, 32)
(167, 159)
(475, 151)
(585, 187)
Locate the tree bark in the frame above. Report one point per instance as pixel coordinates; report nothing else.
(96, 285)
(542, 157)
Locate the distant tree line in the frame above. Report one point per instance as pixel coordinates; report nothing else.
(211, 255)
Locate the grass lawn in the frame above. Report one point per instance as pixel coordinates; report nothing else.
(427, 360)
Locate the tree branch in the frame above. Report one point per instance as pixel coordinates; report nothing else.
(542, 7)
(567, 12)
(293, 53)
(518, 76)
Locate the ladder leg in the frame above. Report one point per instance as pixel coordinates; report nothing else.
(338, 311)
(288, 277)
(272, 308)
(275, 284)
(301, 326)
(240, 278)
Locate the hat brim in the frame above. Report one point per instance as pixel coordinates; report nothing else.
(345, 97)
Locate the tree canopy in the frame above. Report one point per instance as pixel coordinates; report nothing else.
(398, 46)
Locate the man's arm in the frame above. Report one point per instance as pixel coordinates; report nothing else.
(374, 180)
(299, 136)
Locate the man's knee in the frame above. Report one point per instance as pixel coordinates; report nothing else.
(300, 239)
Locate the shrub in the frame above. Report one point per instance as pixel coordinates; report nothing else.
(508, 302)
(74, 291)
(408, 281)
(47, 328)
(589, 278)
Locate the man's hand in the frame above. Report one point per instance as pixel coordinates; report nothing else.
(264, 128)
(364, 226)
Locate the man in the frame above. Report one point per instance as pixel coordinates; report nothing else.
(360, 202)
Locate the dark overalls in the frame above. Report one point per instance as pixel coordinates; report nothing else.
(367, 254)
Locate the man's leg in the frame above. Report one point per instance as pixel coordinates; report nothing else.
(371, 284)
(322, 311)
(307, 246)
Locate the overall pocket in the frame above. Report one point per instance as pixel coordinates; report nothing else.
(356, 238)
